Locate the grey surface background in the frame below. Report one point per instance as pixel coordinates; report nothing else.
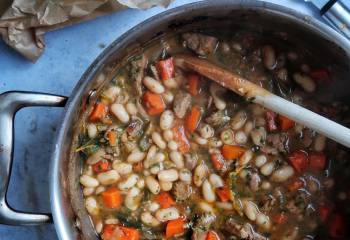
(68, 53)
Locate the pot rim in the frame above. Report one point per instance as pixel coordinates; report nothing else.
(63, 225)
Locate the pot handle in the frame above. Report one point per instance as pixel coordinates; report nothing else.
(10, 103)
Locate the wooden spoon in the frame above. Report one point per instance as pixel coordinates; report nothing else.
(259, 95)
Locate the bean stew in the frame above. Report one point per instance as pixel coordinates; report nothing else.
(169, 154)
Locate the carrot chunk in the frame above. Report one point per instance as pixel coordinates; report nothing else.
(193, 119)
(324, 211)
(181, 139)
(337, 226)
(280, 218)
(212, 236)
(154, 103)
(101, 166)
(129, 233)
(115, 232)
(98, 113)
(166, 68)
(193, 84)
(295, 185)
(218, 161)
(285, 123)
(165, 200)
(112, 198)
(108, 232)
(175, 228)
(112, 138)
(320, 74)
(224, 193)
(299, 160)
(317, 161)
(231, 152)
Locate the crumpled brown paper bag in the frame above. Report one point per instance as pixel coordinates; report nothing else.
(24, 22)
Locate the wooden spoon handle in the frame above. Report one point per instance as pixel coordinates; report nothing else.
(259, 95)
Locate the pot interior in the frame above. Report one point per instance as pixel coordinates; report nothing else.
(272, 22)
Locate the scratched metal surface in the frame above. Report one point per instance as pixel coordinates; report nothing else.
(68, 53)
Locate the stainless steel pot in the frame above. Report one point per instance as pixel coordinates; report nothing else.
(326, 45)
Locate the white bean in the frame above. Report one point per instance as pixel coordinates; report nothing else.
(153, 85)
(267, 168)
(185, 175)
(206, 207)
(282, 174)
(168, 97)
(132, 199)
(266, 185)
(258, 136)
(112, 221)
(224, 205)
(245, 158)
(239, 120)
(248, 127)
(241, 137)
(168, 135)
(129, 182)
(167, 214)
(92, 206)
(96, 157)
(227, 136)
(263, 221)
(111, 93)
(148, 219)
(158, 140)
(206, 131)
(131, 108)
(99, 227)
(200, 174)
(109, 177)
(177, 158)
(122, 168)
(208, 192)
(92, 130)
(158, 158)
(169, 175)
(200, 140)
(214, 142)
(140, 183)
(87, 191)
(100, 189)
(250, 210)
(214, 89)
(305, 82)
(153, 206)
(269, 57)
(166, 120)
(120, 112)
(171, 83)
(216, 181)
(152, 185)
(166, 186)
(156, 168)
(136, 157)
(172, 145)
(260, 160)
(320, 143)
(88, 181)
